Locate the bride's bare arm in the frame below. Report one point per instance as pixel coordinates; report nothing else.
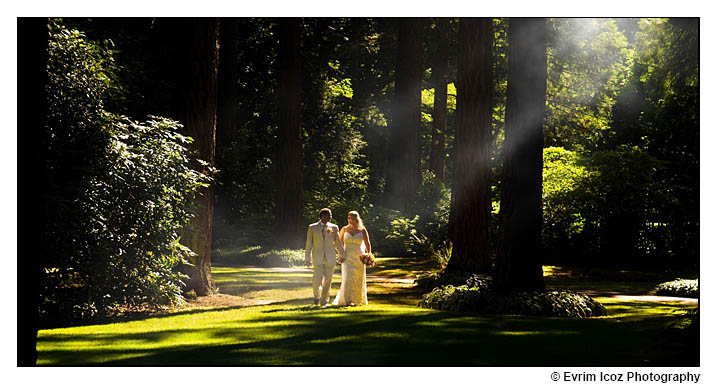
(366, 240)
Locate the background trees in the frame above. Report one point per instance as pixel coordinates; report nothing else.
(620, 142)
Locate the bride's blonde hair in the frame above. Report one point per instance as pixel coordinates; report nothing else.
(355, 215)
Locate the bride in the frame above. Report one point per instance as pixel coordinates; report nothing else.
(355, 240)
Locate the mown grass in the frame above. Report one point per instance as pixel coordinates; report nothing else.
(390, 331)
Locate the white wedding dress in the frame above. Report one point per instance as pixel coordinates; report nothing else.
(353, 287)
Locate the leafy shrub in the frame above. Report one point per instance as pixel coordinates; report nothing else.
(429, 281)
(282, 258)
(679, 288)
(255, 256)
(441, 254)
(561, 303)
(119, 192)
(422, 232)
(467, 292)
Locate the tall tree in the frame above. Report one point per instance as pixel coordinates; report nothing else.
(519, 246)
(290, 191)
(196, 106)
(439, 73)
(32, 106)
(470, 195)
(227, 80)
(403, 174)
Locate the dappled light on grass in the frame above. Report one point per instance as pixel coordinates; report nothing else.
(391, 330)
(640, 310)
(388, 334)
(534, 332)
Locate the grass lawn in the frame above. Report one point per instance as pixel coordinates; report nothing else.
(391, 331)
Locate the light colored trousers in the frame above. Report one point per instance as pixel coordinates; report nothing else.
(322, 281)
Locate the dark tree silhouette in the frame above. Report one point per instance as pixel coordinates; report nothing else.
(519, 246)
(403, 174)
(196, 107)
(360, 86)
(470, 199)
(290, 191)
(439, 74)
(227, 80)
(32, 107)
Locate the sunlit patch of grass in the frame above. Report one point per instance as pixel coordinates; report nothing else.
(402, 267)
(556, 271)
(631, 310)
(534, 332)
(391, 330)
(298, 334)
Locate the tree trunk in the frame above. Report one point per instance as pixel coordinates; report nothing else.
(470, 198)
(359, 85)
(227, 81)
(403, 175)
(199, 115)
(32, 107)
(290, 191)
(440, 74)
(519, 247)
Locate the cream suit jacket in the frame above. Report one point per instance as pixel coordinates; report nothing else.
(323, 248)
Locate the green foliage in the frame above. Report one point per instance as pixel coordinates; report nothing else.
(442, 253)
(589, 62)
(258, 256)
(282, 258)
(425, 233)
(602, 206)
(429, 281)
(558, 303)
(679, 288)
(120, 192)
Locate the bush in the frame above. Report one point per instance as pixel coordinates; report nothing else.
(282, 258)
(118, 196)
(430, 281)
(467, 292)
(679, 288)
(560, 303)
(255, 256)
(442, 253)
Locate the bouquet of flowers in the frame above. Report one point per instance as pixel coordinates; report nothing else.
(367, 259)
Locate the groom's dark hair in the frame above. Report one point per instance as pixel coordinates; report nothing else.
(325, 211)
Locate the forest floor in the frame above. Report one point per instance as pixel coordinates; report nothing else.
(265, 316)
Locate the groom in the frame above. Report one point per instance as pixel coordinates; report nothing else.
(322, 243)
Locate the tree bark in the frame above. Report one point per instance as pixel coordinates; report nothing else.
(519, 247)
(227, 81)
(290, 190)
(440, 75)
(198, 107)
(32, 107)
(403, 175)
(470, 215)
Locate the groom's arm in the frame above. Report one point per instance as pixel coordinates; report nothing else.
(308, 247)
